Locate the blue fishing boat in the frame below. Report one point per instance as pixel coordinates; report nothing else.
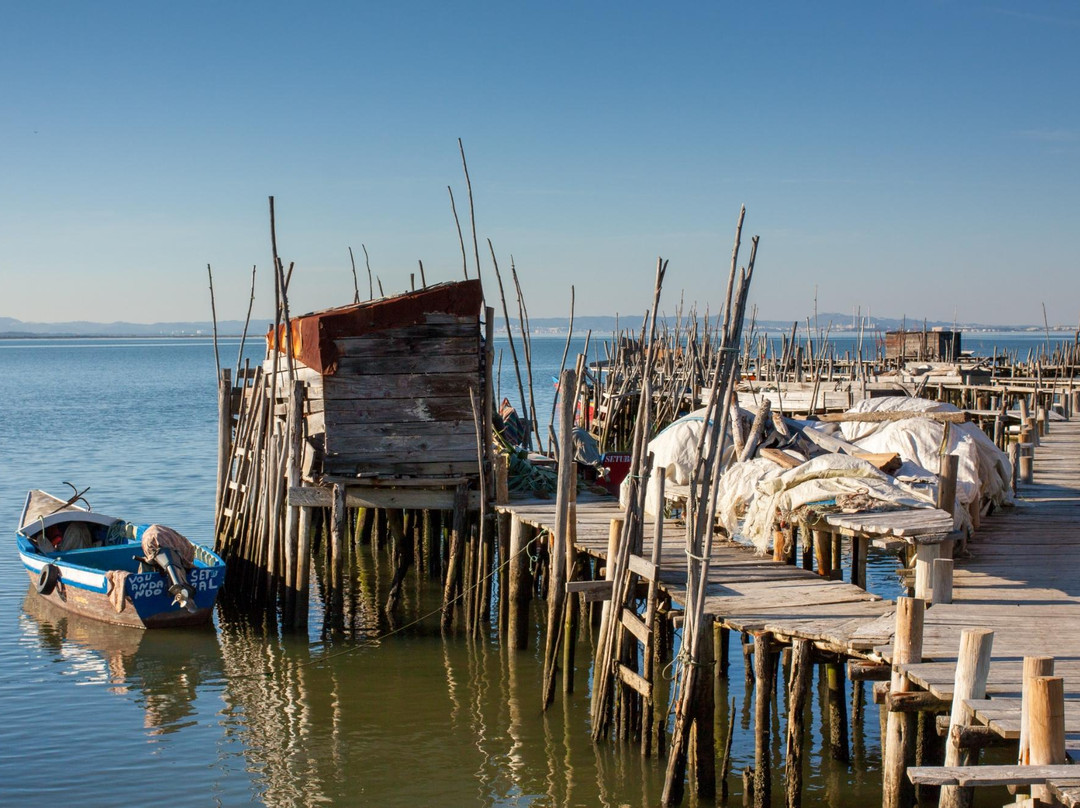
(105, 568)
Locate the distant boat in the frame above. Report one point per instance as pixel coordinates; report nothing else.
(104, 568)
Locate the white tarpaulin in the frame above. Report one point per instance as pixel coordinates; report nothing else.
(984, 470)
(673, 448)
(847, 481)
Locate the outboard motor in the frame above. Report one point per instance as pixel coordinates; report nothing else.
(183, 593)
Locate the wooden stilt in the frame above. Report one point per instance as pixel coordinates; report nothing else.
(338, 530)
(972, 669)
(303, 569)
(457, 550)
(703, 738)
(838, 725)
(1046, 711)
(799, 688)
(897, 791)
(823, 553)
(520, 584)
(762, 720)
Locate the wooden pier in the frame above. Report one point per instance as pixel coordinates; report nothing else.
(1017, 578)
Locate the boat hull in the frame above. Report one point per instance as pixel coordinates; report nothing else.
(109, 580)
(154, 610)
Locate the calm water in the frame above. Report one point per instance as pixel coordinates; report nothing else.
(237, 714)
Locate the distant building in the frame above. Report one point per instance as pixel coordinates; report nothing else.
(935, 345)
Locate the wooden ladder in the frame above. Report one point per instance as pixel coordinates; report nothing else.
(635, 670)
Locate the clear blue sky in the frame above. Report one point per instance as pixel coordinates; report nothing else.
(919, 158)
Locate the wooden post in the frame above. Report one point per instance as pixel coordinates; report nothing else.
(338, 530)
(703, 737)
(799, 688)
(925, 555)
(303, 568)
(1014, 464)
(779, 545)
(859, 548)
(1046, 713)
(941, 580)
(292, 475)
(823, 553)
(503, 576)
(615, 528)
(556, 590)
(838, 729)
(1034, 666)
(762, 723)
(570, 608)
(457, 550)
(972, 669)
(224, 457)
(520, 587)
(897, 791)
(947, 474)
(1027, 460)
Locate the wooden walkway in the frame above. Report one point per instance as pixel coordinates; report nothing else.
(1022, 580)
(746, 591)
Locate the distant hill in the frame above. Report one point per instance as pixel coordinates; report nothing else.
(838, 322)
(11, 328)
(600, 325)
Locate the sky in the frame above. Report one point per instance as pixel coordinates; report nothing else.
(918, 159)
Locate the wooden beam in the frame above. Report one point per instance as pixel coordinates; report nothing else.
(969, 776)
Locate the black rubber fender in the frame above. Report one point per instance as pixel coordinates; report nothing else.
(48, 578)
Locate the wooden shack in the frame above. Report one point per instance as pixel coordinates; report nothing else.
(387, 389)
(382, 405)
(931, 346)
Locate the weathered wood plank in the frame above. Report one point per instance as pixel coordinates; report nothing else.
(966, 776)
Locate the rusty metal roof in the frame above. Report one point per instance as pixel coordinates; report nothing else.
(313, 334)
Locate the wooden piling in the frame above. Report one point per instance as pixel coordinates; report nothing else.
(837, 701)
(972, 669)
(556, 590)
(823, 553)
(338, 530)
(1046, 710)
(520, 585)
(896, 790)
(1034, 666)
(762, 722)
(941, 580)
(703, 737)
(452, 586)
(224, 452)
(798, 690)
(303, 568)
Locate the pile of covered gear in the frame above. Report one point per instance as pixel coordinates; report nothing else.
(788, 470)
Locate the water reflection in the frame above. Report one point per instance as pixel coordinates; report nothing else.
(163, 672)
